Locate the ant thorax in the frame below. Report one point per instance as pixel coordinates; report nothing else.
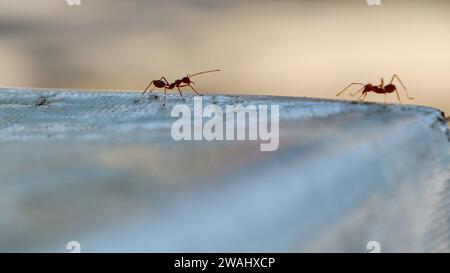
(378, 89)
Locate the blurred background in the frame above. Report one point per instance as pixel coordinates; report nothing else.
(293, 48)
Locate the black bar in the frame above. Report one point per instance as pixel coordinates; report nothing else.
(224, 262)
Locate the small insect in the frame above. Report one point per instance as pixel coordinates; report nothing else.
(380, 89)
(183, 82)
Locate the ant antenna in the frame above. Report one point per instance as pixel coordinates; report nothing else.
(354, 94)
(209, 71)
(395, 76)
(353, 83)
(398, 78)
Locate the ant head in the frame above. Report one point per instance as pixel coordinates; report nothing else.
(186, 80)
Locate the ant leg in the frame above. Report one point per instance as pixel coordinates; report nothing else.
(179, 90)
(363, 95)
(398, 96)
(353, 83)
(165, 91)
(194, 90)
(146, 91)
(354, 94)
(359, 99)
(395, 76)
(385, 99)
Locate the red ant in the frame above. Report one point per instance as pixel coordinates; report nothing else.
(380, 89)
(185, 81)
